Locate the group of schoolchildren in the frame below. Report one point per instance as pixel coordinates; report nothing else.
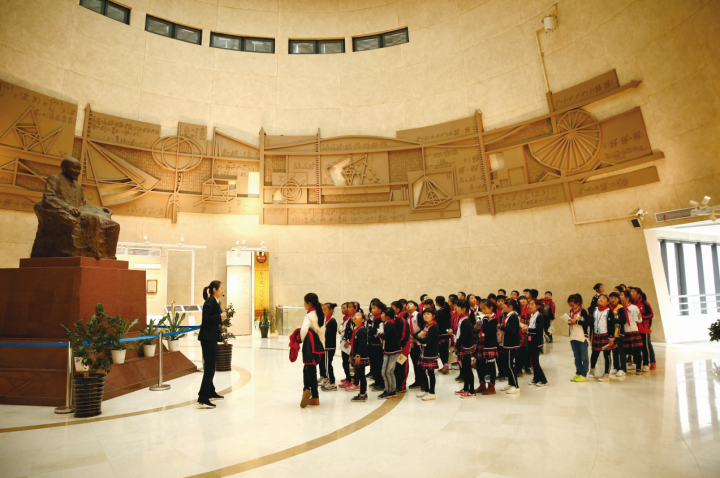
(500, 337)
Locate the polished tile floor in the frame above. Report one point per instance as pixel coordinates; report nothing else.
(664, 423)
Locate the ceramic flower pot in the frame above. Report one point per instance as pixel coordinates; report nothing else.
(173, 345)
(88, 395)
(224, 357)
(118, 356)
(149, 350)
(79, 367)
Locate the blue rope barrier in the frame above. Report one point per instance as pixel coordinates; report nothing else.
(128, 339)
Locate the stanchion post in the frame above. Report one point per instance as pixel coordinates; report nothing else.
(68, 408)
(160, 386)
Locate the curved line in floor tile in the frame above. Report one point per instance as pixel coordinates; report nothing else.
(378, 413)
(245, 377)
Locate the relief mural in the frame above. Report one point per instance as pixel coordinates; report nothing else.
(420, 174)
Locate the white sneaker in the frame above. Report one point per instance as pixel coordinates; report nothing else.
(533, 383)
(631, 365)
(604, 378)
(541, 384)
(513, 390)
(429, 396)
(421, 394)
(646, 368)
(506, 388)
(322, 381)
(613, 371)
(591, 374)
(620, 373)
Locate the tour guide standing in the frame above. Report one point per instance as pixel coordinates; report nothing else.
(209, 336)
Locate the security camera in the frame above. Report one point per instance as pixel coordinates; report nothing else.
(550, 23)
(706, 201)
(694, 203)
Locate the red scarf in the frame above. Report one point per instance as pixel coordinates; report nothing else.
(602, 309)
(427, 327)
(311, 309)
(573, 313)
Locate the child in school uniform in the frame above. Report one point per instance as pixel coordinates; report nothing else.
(632, 340)
(429, 337)
(487, 342)
(443, 317)
(376, 348)
(548, 312)
(648, 354)
(403, 330)
(534, 332)
(327, 374)
(346, 329)
(523, 353)
(453, 359)
(618, 355)
(502, 355)
(603, 337)
(465, 347)
(416, 323)
(579, 323)
(511, 343)
(391, 350)
(359, 352)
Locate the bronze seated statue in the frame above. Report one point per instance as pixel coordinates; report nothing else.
(67, 225)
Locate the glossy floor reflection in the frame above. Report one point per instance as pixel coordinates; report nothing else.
(664, 423)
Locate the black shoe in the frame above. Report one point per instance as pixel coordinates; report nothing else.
(217, 397)
(402, 390)
(383, 396)
(205, 403)
(414, 386)
(368, 375)
(359, 398)
(373, 385)
(377, 389)
(459, 379)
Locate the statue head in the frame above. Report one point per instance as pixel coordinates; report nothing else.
(71, 168)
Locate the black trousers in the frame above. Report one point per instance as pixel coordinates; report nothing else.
(547, 327)
(480, 368)
(645, 350)
(346, 366)
(360, 372)
(444, 350)
(310, 380)
(594, 358)
(376, 361)
(209, 351)
(466, 369)
(428, 380)
(502, 362)
(401, 374)
(512, 367)
(415, 358)
(538, 373)
(326, 367)
(619, 355)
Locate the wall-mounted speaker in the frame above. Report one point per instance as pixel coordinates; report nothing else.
(636, 223)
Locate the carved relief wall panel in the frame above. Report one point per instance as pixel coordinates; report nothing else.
(421, 174)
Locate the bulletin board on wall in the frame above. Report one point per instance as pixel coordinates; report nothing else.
(420, 174)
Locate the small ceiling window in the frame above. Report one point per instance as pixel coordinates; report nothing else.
(310, 47)
(373, 42)
(172, 30)
(232, 42)
(109, 9)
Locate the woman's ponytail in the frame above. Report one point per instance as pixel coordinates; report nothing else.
(312, 299)
(208, 291)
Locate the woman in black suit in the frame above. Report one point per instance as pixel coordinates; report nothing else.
(209, 336)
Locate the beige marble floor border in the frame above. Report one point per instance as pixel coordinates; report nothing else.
(368, 419)
(245, 377)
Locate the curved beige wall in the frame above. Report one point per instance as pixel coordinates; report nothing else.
(463, 55)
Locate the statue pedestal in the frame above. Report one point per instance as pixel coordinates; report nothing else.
(42, 294)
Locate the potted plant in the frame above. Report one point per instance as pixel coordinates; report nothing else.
(265, 321)
(715, 331)
(120, 328)
(91, 342)
(148, 345)
(224, 349)
(172, 324)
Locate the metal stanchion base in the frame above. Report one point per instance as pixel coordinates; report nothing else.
(63, 410)
(160, 388)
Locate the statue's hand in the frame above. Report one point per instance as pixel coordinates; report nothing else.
(74, 211)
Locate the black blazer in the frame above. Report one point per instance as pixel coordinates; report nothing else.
(391, 338)
(466, 339)
(330, 334)
(489, 329)
(360, 344)
(535, 334)
(210, 327)
(430, 341)
(511, 339)
(443, 319)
